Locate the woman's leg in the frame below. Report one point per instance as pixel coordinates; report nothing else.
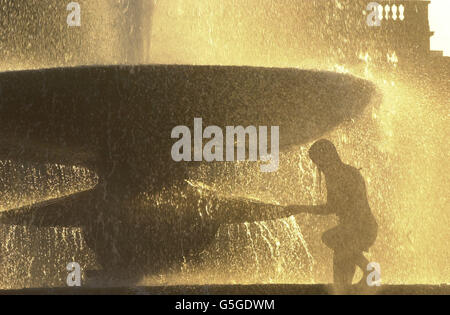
(347, 254)
(344, 265)
(333, 239)
(344, 268)
(362, 262)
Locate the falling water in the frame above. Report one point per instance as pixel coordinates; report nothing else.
(400, 146)
(26, 184)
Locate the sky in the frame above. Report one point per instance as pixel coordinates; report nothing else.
(440, 24)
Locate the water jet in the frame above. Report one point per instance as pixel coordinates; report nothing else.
(117, 121)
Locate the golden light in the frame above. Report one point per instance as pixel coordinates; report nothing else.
(440, 24)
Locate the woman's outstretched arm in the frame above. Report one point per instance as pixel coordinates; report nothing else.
(244, 210)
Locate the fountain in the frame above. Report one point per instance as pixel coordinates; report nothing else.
(87, 172)
(116, 121)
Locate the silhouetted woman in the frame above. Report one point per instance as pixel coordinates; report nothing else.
(346, 198)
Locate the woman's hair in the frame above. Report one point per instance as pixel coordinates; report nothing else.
(324, 153)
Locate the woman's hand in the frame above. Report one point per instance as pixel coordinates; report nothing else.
(294, 209)
(319, 210)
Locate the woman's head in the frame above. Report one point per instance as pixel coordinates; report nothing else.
(324, 154)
